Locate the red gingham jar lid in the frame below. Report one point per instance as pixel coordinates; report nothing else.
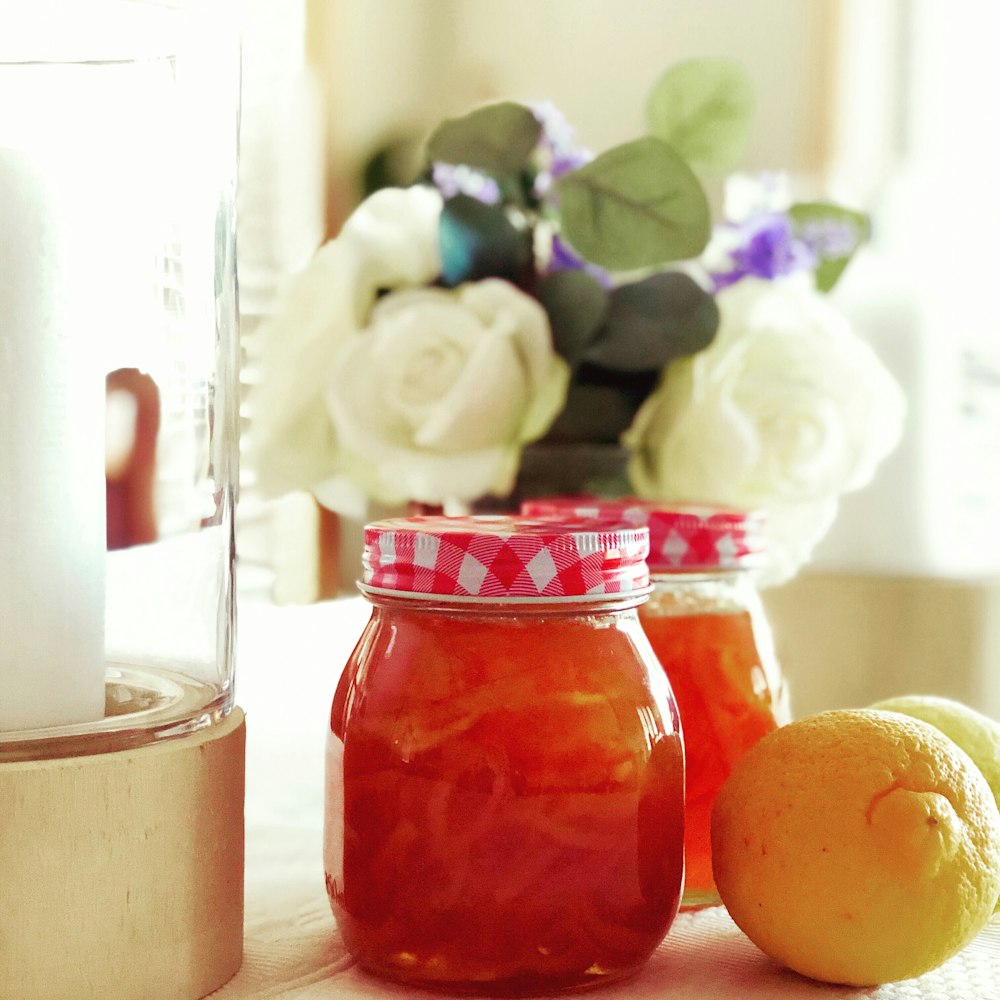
(685, 537)
(505, 558)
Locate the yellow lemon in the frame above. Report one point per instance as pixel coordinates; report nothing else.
(977, 734)
(857, 846)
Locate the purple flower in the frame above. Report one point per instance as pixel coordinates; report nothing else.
(452, 179)
(564, 258)
(831, 238)
(558, 150)
(764, 246)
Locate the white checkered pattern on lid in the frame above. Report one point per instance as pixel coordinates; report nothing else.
(686, 537)
(505, 557)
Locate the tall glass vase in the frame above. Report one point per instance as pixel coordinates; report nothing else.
(118, 459)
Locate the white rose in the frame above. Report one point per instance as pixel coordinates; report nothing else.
(434, 400)
(390, 241)
(784, 411)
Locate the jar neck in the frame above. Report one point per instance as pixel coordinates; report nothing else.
(510, 607)
(713, 589)
(729, 577)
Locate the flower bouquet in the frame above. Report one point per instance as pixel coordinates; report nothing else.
(526, 291)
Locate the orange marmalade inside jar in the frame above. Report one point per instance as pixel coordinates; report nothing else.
(706, 624)
(505, 790)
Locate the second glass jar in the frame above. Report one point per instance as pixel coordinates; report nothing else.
(707, 625)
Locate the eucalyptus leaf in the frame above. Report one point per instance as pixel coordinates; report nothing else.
(600, 406)
(551, 468)
(497, 138)
(704, 109)
(651, 322)
(834, 232)
(576, 305)
(479, 241)
(636, 205)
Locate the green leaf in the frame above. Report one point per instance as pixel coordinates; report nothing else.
(834, 232)
(600, 407)
(555, 468)
(652, 322)
(497, 138)
(576, 304)
(703, 108)
(636, 205)
(479, 241)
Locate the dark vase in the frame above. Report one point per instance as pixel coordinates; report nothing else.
(561, 469)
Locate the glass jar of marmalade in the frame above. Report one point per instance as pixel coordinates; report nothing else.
(505, 774)
(707, 625)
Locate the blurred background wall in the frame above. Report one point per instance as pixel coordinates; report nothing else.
(393, 69)
(885, 105)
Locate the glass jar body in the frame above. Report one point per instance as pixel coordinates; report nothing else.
(120, 369)
(710, 633)
(504, 796)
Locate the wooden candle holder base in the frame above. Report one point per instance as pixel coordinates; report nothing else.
(121, 873)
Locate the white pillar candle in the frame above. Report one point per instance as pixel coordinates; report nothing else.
(52, 518)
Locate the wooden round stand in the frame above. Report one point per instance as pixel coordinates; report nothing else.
(121, 873)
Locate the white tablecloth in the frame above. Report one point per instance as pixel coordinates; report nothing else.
(289, 662)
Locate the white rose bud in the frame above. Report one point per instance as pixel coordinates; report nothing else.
(784, 411)
(435, 398)
(389, 241)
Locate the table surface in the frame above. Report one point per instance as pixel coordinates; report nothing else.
(289, 661)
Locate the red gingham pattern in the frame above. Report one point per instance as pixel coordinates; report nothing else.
(681, 536)
(505, 557)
